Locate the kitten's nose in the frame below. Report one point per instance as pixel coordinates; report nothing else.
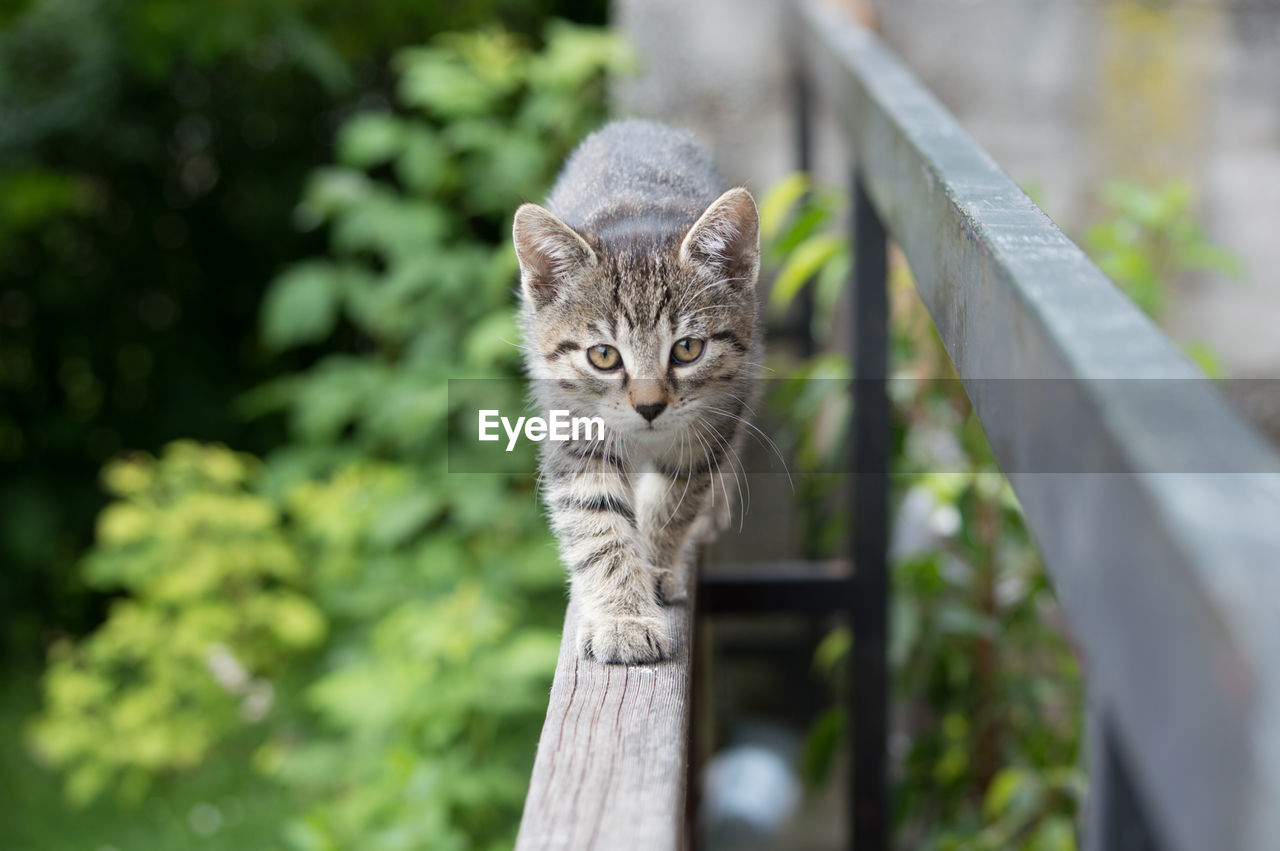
(651, 410)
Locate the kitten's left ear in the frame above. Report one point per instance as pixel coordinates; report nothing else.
(551, 253)
(726, 239)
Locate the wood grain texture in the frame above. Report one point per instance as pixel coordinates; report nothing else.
(611, 765)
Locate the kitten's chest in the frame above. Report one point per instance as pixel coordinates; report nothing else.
(650, 491)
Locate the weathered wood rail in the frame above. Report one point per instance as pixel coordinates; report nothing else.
(613, 757)
(1155, 506)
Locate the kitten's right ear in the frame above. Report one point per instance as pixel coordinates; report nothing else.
(550, 253)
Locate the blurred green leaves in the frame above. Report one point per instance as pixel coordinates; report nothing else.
(416, 212)
(303, 305)
(150, 154)
(33, 196)
(217, 608)
(440, 749)
(800, 247)
(987, 682)
(987, 685)
(1149, 237)
(410, 617)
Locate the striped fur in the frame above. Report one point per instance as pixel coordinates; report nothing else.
(642, 247)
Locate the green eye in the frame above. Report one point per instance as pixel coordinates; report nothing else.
(604, 358)
(687, 350)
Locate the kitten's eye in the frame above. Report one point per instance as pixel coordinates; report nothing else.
(687, 350)
(604, 358)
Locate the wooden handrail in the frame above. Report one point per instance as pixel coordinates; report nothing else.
(613, 756)
(1154, 504)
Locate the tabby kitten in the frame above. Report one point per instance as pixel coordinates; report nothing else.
(639, 307)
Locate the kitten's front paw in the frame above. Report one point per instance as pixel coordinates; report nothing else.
(623, 640)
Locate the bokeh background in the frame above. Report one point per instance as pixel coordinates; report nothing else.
(243, 247)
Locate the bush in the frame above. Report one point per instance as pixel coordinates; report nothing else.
(150, 154)
(217, 608)
(412, 617)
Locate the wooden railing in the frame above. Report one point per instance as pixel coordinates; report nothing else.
(1154, 505)
(613, 757)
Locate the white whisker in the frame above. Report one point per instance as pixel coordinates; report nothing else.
(731, 455)
(518, 346)
(768, 441)
(742, 402)
(709, 457)
(676, 510)
(679, 463)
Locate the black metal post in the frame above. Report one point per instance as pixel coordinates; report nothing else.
(802, 123)
(868, 674)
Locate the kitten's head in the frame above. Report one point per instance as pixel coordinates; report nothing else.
(651, 333)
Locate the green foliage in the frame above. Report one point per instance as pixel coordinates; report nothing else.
(988, 682)
(216, 608)
(150, 154)
(438, 595)
(422, 733)
(800, 248)
(221, 807)
(413, 249)
(989, 687)
(426, 731)
(1149, 238)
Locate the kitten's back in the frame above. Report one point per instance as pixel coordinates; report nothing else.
(634, 176)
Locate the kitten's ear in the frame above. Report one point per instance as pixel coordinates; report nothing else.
(726, 238)
(550, 252)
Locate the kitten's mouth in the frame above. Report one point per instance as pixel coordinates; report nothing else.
(650, 430)
(656, 436)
